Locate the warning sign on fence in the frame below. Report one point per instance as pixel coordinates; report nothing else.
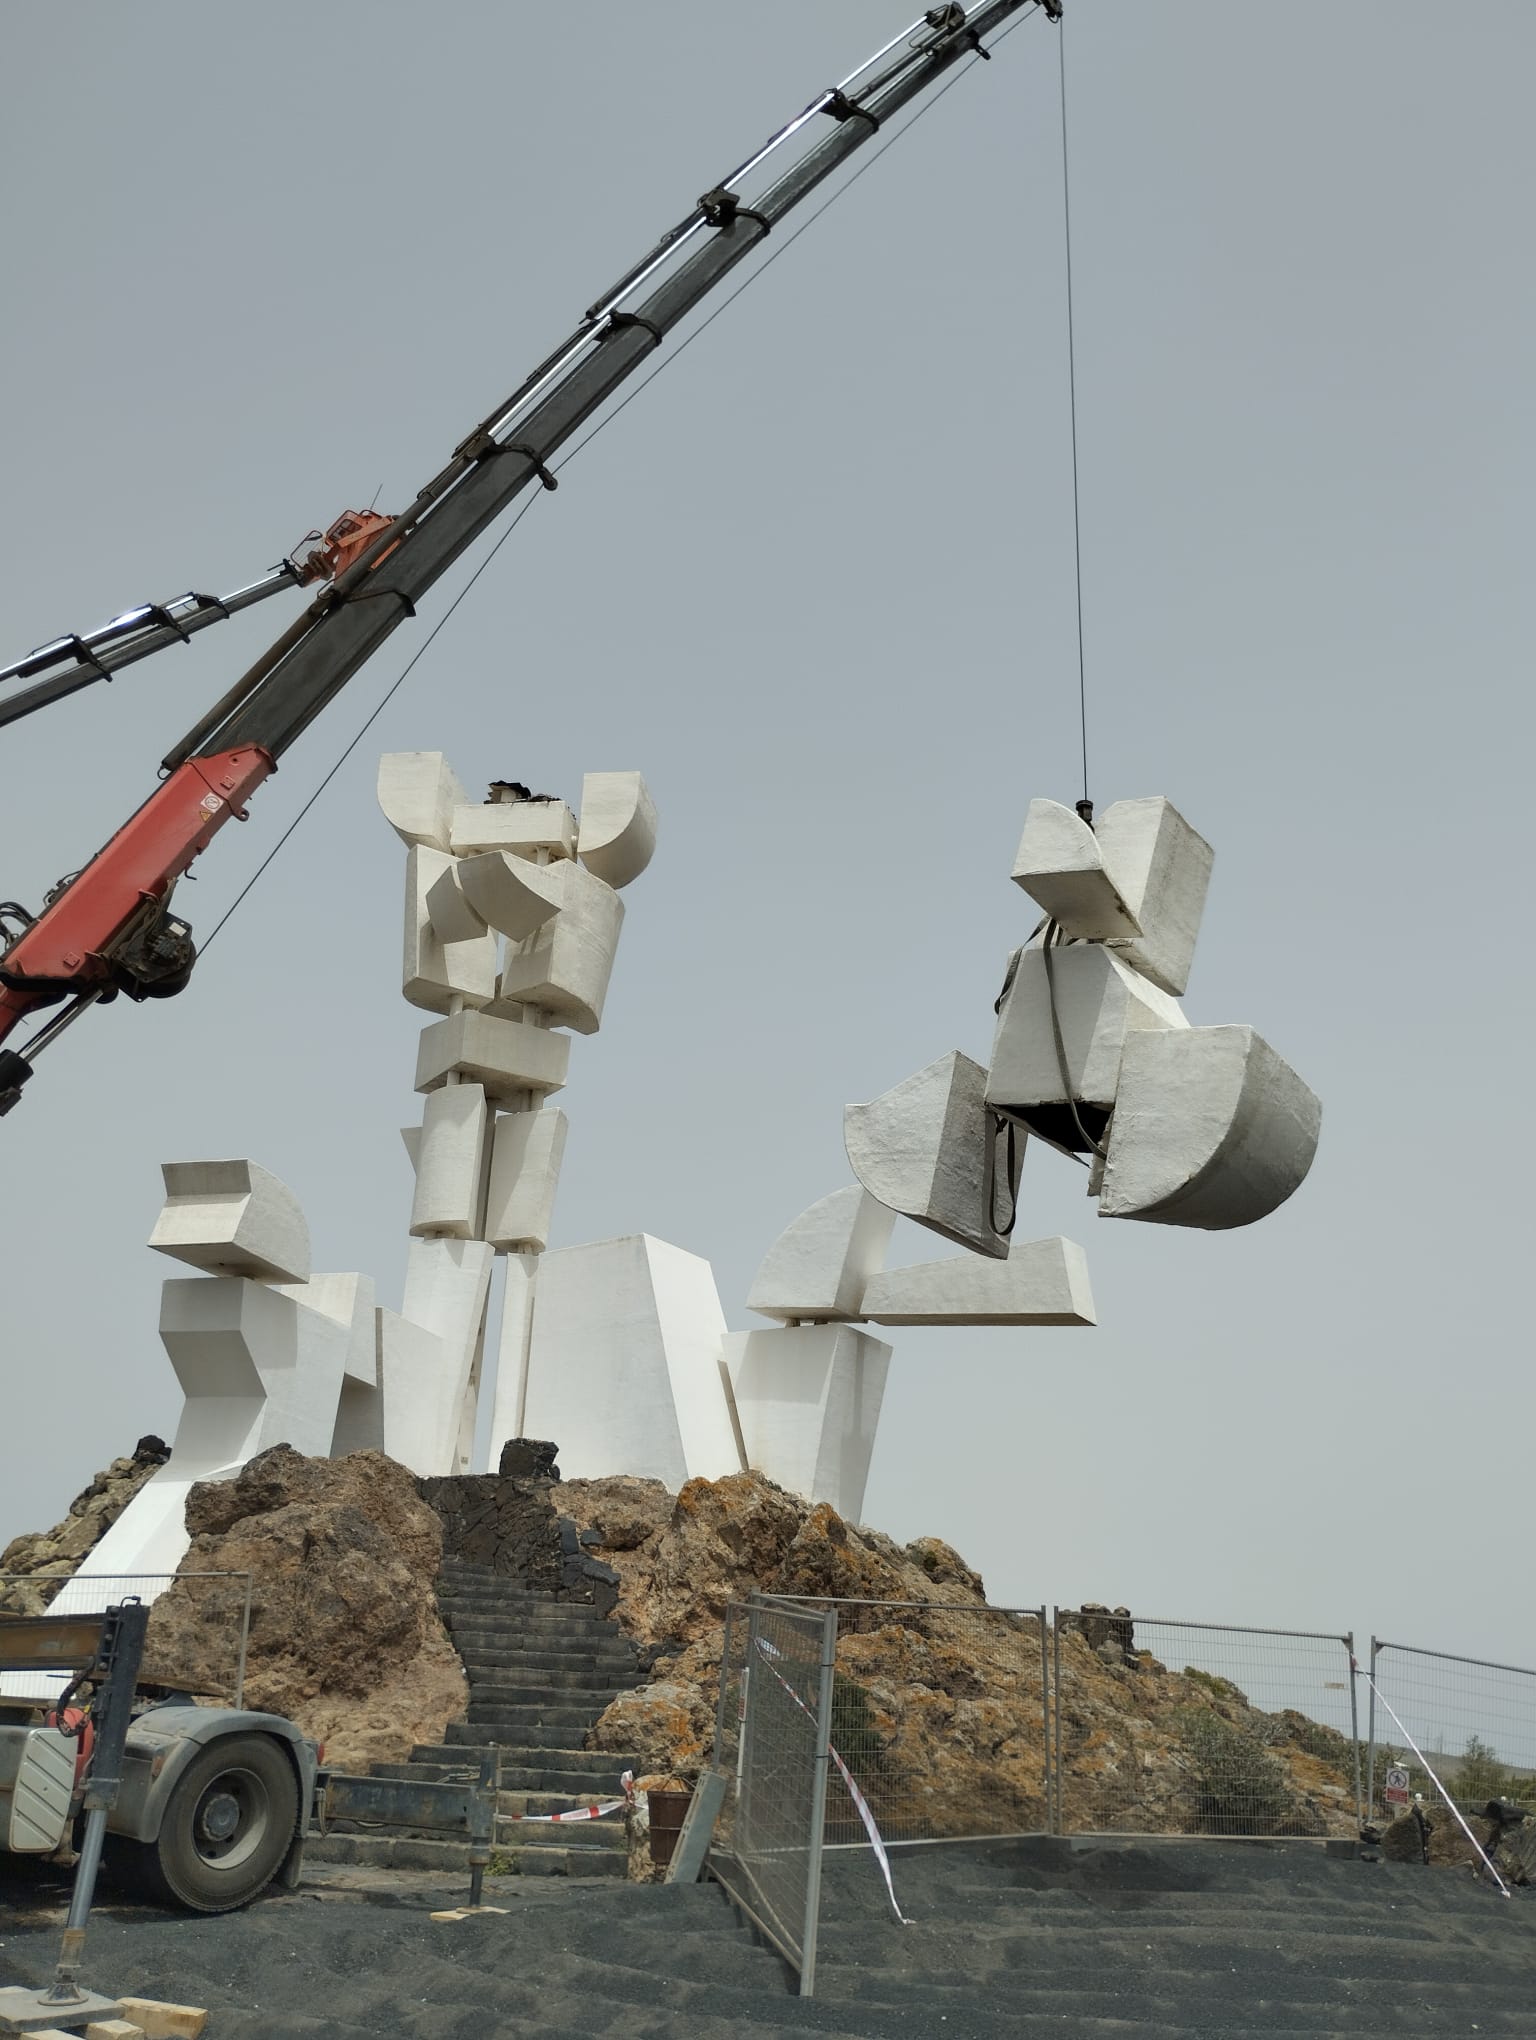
(1396, 1792)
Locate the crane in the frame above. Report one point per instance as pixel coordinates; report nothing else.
(109, 928)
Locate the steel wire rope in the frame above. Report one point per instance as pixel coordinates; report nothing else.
(601, 426)
(1077, 528)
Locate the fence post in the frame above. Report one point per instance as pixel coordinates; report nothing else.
(1058, 1823)
(1354, 1725)
(245, 1639)
(1370, 1761)
(725, 1684)
(1045, 1725)
(818, 1831)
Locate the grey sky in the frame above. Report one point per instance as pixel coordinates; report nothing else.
(817, 585)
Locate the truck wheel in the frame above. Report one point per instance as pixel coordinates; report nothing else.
(228, 1827)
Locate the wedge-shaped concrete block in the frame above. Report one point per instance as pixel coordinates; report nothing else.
(625, 1368)
(513, 1350)
(617, 835)
(819, 1265)
(232, 1218)
(428, 1354)
(1042, 1282)
(563, 969)
(1162, 869)
(1212, 1129)
(526, 1152)
(525, 827)
(1098, 1001)
(808, 1399)
(510, 1058)
(453, 918)
(233, 1342)
(928, 1149)
(434, 973)
(1060, 866)
(418, 793)
(511, 895)
(450, 1165)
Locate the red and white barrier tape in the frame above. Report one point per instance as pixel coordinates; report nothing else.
(607, 1806)
(876, 1840)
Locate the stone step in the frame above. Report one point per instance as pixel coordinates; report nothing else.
(607, 1833)
(391, 1852)
(518, 1727)
(506, 1624)
(524, 1636)
(609, 1656)
(501, 1597)
(539, 1688)
(468, 1750)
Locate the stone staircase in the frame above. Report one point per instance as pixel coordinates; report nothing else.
(541, 1670)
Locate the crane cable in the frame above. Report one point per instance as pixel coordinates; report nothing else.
(1077, 529)
(602, 425)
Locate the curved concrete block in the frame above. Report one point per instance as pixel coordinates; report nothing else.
(527, 1149)
(511, 895)
(819, 1266)
(925, 1147)
(232, 1218)
(453, 918)
(434, 972)
(1212, 1129)
(563, 970)
(509, 1057)
(1042, 1282)
(524, 827)
(1162, 868)
(617, 837)
(450, 1164)
(1060, 866)
(418, 793)
(808, 1398)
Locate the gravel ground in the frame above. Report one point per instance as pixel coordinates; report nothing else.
(1022, 1938)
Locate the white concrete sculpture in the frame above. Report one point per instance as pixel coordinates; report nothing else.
(1042, 1282)
(232, 1218)
(928, 1149)
(442, 976)
(819, 1266)
(617, 838)
(809, 1401)
(419, 794)
(1061, 866)
(563, 968)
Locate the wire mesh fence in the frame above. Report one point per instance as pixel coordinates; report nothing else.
(777, 1692)
(940, 1714)
(199, 1626)
(1473, 1720)
(1191, 1728)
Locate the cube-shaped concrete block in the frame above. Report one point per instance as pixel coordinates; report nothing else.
(512, 1059)
(525, 827)
(453, 918)
(819, 1266)
(617, 835)
(625, 1363)
(1162, 869)
(808, 1399)
(232, 1218)
(526, 1152)
(1098, 1001)
(1042, 1282)
(927, 1149)
(418, 793)
(234, 1343)
(563, 969)
(511, 895)
(1060, 866)
(1212, 1130)
(450, 1164)
(433, 972)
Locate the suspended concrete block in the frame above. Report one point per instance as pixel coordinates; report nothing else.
(418, 793)
(625, 1363)
(820, 1264)
(232, 1218)
(510, 1058)
(450, 1163)
(434, 973)
(1099, 1002)
(808, 1399)
(1212, 1129)
(1060, 866)
(563, 969)
(524, 827)
(1042, 1282)
(1162, 869)
(617, 835)
(526, 1152)
(927, 1149)
(511, 895)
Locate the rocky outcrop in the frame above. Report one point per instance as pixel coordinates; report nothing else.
(49, 1557)
(345, 1635)
(510, 1522)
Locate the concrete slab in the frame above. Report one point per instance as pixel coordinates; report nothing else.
(820, 1264)
(512, 1059)
(1042, 1282)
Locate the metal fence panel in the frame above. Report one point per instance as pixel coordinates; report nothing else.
(207, 1614)
(940, 1714)
(783, 1676)
(1190, 1728)
(1473, 1719)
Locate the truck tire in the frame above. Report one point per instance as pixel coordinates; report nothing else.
(228, 1827)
